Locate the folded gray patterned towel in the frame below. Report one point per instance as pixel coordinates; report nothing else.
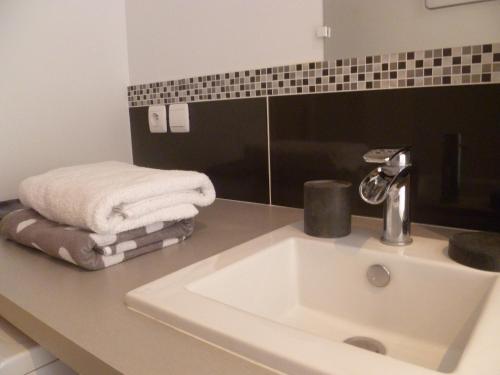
(86, 249)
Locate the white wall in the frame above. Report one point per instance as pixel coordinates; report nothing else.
(63, 78)
(170, 39)
(365, 27)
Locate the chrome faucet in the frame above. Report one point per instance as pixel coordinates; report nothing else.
(390, 183)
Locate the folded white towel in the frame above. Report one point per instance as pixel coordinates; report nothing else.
(113, 197)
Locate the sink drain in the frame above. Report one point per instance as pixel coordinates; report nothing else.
(366, 343)
(378, 275)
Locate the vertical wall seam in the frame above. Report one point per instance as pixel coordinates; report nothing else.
(268, 151)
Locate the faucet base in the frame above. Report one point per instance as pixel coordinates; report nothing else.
(396, 243)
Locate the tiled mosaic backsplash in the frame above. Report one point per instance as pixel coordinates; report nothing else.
(438, 67)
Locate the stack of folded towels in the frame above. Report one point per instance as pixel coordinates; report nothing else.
(98, 215)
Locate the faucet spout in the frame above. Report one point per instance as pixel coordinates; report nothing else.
(375, 187)
(390, 183)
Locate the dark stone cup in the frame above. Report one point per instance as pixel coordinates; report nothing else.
(327, 208)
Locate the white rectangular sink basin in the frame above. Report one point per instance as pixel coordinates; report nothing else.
(289, 301)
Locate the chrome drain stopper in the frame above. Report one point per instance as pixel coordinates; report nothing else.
(378, 275)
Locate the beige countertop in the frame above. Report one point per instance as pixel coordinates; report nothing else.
(80, 316)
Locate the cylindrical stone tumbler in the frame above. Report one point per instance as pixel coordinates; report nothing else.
(327, 208)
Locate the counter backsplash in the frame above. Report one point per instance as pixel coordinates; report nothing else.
(263, 147)
(466, 65)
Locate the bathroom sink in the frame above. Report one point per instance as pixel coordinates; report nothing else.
(290, 301)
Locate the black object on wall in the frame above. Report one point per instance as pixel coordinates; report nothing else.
(227, 141)
(454, 133)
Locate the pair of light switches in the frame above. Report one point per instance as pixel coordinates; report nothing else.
(178, 118)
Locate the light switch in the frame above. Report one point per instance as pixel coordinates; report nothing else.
(178, 118)
(157, 116)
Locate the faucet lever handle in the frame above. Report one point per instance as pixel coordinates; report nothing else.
(383, 155)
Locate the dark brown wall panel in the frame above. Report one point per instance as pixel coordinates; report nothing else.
(227, 141)
(454, 133)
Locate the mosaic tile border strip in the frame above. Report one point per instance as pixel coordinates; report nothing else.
(479, 64)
